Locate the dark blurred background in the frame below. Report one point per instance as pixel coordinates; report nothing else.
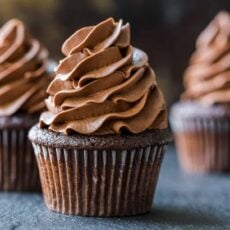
(165, 29)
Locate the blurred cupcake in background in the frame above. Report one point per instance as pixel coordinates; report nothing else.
(24, 77)
(201, 120)
(100, 145)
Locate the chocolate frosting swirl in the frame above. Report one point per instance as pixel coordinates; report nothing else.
(23, 75)
(104, 85)
(207, 79)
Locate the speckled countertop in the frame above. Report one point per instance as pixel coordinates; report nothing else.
(181, 202)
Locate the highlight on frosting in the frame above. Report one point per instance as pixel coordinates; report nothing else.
(207, 79)
(103, 85)
(23, 75)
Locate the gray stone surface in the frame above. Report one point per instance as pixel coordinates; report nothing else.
(181, 202)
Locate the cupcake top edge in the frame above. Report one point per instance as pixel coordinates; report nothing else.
(45, 137)
(24, 74)
(195, 110)
(207, 78)
(104, 85)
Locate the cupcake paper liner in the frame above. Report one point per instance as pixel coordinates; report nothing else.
(203, 143)
(99, 182)
(18, 169)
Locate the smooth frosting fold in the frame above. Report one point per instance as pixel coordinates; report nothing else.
(207, 79)
(23, 71)
(103, 85)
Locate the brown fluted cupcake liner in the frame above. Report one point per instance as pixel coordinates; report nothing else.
(202, 141)
(18, 168)
(99, 182)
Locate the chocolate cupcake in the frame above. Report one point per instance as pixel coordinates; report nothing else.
(201, 121)
(100, 145)
(23, 81)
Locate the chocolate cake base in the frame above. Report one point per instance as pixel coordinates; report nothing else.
(18, 168)
(99, 175)
(202, 136)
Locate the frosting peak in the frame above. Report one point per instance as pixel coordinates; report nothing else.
(207, 79)
(104, 85)
(23, 76)
(99, 37)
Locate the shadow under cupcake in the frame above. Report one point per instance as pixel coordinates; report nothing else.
(201, 120)
(100, 145)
